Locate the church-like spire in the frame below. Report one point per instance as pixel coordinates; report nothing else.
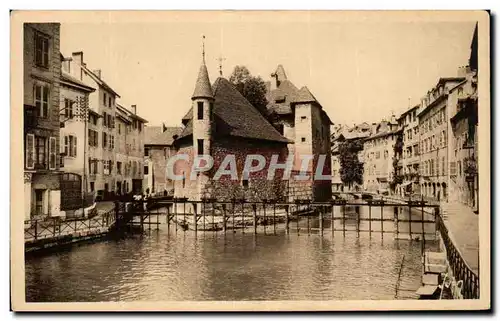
(203, 89)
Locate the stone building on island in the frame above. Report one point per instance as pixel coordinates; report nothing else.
(299, 116)
(222, 122)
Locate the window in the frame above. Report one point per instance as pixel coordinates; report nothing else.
(106, 168)
(92, 119)
(41, 50)
(42, 100)
(303, 139)
(119, 128)
(40, 152)
(200, 110)
(68, 108)
(111, 142)
(104, 99)
(443, 165)
(91, 186)
(146, 170)
(105, 119)
(70, 146)
(93, 138)
(118, 167)
(200, 147)
(104, 140)
(30, 151)
(146, 152)
(109, 101)
(52, 153)
(39, 201)
(244, 183)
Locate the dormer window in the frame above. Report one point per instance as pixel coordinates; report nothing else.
(200, 110)
(280, 99)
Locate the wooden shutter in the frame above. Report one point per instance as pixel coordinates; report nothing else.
(66, 146)
(52, 153)
(74, 146)
(30, 151)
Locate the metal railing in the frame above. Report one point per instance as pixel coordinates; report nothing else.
(460, 268)
(52, 227)
(240, 214)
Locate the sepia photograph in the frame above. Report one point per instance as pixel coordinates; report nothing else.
(250, 160)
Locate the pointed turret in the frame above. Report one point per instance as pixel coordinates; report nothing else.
(202, 89)
(279, 75)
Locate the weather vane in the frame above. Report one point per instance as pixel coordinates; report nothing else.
(220, 59)
(203, 43)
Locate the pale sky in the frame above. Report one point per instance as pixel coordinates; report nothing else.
(358, 71)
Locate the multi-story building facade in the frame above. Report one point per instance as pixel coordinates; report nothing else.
(463, 146)
(114, 164)
(433, 129)
(300, 117)
(410, 160)
(103, 102)
(42, 73)
(158, 148)
(462, 149)
(74, 141)
(134, 150)
(378, 155)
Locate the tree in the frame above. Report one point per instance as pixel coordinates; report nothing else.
(397, 177)
(252, 88)
(351, 169)
(239, 76)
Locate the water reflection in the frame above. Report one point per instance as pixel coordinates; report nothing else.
(165, 265)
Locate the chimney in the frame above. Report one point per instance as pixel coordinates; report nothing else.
(66, 65)
(98, 73)
(78, 57)
(134, 109)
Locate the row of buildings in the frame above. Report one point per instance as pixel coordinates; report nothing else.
(429, 150)
(79, 141)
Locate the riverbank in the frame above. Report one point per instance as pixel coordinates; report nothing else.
(53, 233)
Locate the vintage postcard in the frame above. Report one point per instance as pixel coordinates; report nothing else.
(250, 160)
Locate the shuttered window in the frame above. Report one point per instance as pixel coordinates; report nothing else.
(52, 152)
(30, 151)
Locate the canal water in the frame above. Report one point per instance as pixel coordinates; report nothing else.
(168, 264)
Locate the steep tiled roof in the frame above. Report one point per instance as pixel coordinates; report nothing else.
(304, 96)
(100, 81)
(160, 135)
(280, 72)
(202, 88)
(72, 80)
(235, 116)
(281, 99)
